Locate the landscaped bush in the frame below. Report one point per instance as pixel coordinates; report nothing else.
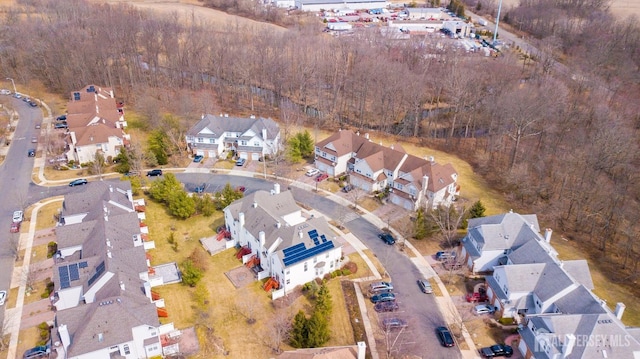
(351, 266)
(44, 333)
(52, 248)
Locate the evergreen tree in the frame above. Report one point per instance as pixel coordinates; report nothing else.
(158, 145)
(306, 144)
(181, 204)
(420, 224)
(191, 275)
(162, 189)
(477, 210)
(293, 150)
(299, 331)
(323, 303)
(317, 329)
(122, 161)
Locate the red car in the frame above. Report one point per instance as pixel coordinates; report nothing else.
(476, 297)
(15, 227)
(321, 177)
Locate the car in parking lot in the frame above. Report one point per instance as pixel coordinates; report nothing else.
(425, 286)
(37, 126)
(5, 92)
(15, 227)
(32, 103)
(387, 238)
(36, 353)
(484, 309)
(198, 158)
(378, 287)
(17, 95)
(34, 139)
(3, 296)
(444, 255)
(383, 297)
(31, 153)
(18, 216)
(61, 118)
(200, 188)
(445, 337)
(347, 188)
(393, 323)
(78, 182)
(498, 350)
(60, 125)
(321, 177)
(391, 306)
(154, 173)
(241, 161)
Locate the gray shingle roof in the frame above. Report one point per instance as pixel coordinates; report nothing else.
(106, 323)
(220, 124)
(504, 231)
(579, 301)
(579, 270)
(94, 197)
(532, 252)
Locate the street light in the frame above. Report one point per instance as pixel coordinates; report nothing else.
(495, 32)
(13, 83)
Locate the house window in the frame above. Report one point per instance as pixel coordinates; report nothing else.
(256, 143)
(305, 266)
(288, 281)
(324, 154)
(126, 349)
(243, 143)
(333, 158)
(315, 260)
(288, 272)
(212, 140)
(412, 192)
(200, 139)
(506, 291)
(331, 264)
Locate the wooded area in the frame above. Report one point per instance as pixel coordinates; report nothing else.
(562, 145)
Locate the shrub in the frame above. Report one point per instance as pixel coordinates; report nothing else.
(52, 248)
(191, 275)
(351, 266)
(346, 272)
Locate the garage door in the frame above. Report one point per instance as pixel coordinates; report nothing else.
(255, 156)
(200, 152)
(244, 155)
(212, 153)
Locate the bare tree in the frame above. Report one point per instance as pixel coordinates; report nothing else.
(98, 165)
(396, 337)
(247, 307)
(277, 332)
(448, 220)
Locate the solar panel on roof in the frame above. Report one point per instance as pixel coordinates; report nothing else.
(73, 272)
(313, 233)
(99, 269)
(324, 238)
(64, 277)
(316, 241)
(297, 257)
(82, 265)
(294, 249)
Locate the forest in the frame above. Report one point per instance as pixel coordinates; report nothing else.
(563, 145)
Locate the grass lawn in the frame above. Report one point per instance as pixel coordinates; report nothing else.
(376, 263)
(27, 339)
(34, 295)
(46, 215)
(341, 330)
(39, 253)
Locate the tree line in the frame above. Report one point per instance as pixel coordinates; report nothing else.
(561, 144)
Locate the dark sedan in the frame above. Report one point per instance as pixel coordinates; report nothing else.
(78, 182)
(445, 337)
(387, 238)
(386, 307)
(498, 350)
(154, 173)
(383, 297)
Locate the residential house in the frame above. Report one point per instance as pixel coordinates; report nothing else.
(412, 182)
(280, 240)
(250, 138)
(490, 239)
(559, 315)
(103, 299)
(95, 124)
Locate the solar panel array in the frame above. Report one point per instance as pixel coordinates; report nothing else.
(294, 249)
(99, 270)
(313, 234)
(69, 273)
(324, 238)
(307, 253)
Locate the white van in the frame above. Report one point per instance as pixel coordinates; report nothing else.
(312, 172)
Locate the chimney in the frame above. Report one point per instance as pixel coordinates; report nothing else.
(121, 285)
(109, 254)
(425, 183)
(64, 336)
(100, 337)
(226, 115)
(391, 147)
(261, 238)
(366, 135)
(357, 133)
(255, 204)
(431, 159)
(362, 350)
(130, 195)
(253, 117)
(264, 134)
(569, 343)
(241, 219)
(278, 224)
(276, 188)
(547, 235)
(620, 307)
(300, 234)
(111, 188)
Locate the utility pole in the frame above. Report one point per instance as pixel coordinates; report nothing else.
(495, 32)
(13, 83)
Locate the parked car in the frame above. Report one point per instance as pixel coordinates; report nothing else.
(387, 238)
(15, 227)
(32, 103)
(5, 92)
(383, 297)
(38, 126)
(241, 189)
(36, 353)
(61, 118)
(34, 139)
(78, 182)
(386, 307)
(18, 216)
(3, 296)
(312, 172)
(17, 95)
(321, 177)
(377, 287)
(347, 188)
(154, 173)
(425, 286)
(198, 158)
(241, 161)
(498, 350)
(31, 153)
(445, 337)
(479, 296)
(393, 323)
(484, 309)
(60, 125)
(443, 255)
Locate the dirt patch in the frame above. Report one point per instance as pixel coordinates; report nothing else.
(240, 277)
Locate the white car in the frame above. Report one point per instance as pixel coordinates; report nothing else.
(312, 172)
(18, 216)
(5, 92)
(3, 296)
(484, 309)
